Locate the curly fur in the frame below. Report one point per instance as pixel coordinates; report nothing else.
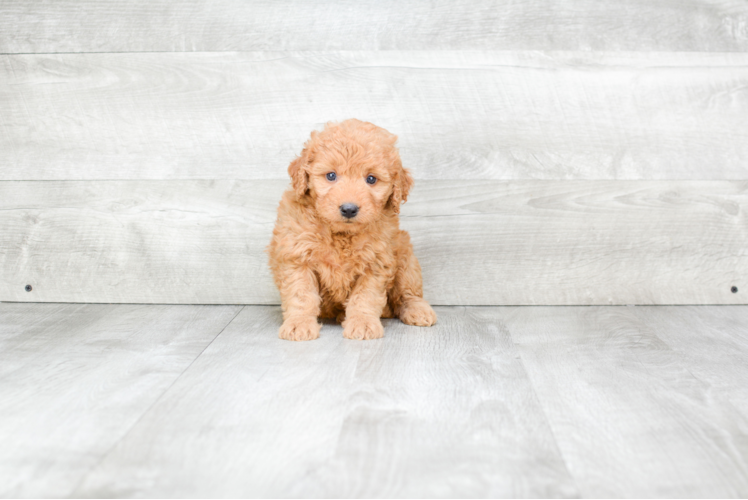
(356, 270)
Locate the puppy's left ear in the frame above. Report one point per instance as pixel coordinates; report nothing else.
(401, 188)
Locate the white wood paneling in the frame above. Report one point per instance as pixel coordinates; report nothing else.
(438, 412)
(166, 25)
(459, 114)
(74, 379)
(630, 415)
(198, 242)
(479, 242)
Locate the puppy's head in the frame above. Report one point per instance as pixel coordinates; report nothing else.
(352, 174)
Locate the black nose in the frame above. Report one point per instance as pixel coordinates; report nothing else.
(348, 210)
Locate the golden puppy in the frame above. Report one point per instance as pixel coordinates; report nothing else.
(337, 249)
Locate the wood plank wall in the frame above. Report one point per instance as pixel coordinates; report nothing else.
(572, 152)
(239, 25)
(459, 115)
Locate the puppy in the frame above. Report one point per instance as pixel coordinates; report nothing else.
(337, 249)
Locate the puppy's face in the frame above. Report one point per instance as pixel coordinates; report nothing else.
(353, 175)
(349, 192)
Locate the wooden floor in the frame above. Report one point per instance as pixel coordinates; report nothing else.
(178, 400)
(570, 157)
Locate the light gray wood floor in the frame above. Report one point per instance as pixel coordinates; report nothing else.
(133, 401)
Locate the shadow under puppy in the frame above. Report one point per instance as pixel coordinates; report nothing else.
(337, 249)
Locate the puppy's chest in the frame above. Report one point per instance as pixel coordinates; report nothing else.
(340, 263)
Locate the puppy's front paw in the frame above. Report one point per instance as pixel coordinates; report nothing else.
(300, 328)
(418, 313)
(363, 328)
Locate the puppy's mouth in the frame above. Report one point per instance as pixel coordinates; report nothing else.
(346, 225)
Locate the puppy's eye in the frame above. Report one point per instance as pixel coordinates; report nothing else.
(371, 180)
(331, 176)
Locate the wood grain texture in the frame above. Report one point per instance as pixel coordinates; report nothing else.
(479, 242)
(162, 25)
(445, 411)
(74, 379)
(459, 114)
(152, 401)
(713, 343)
(198, 242)
(631, 416)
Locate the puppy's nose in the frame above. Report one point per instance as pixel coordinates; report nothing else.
(348, 210)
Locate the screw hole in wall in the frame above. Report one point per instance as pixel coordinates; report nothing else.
(734, 289)
(28, 288)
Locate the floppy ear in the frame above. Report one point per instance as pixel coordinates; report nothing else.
(299, 176)
(401, 187)
(298, 170)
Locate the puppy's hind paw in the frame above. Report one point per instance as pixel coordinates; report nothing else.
(363, 328)
(417, 312)
(300, 328)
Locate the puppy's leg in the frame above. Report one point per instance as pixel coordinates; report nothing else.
(340, 317)
(364, 307)
(300, 300)
(386, 313)
(406, 296)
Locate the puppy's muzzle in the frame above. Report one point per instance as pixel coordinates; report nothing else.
(348, 210)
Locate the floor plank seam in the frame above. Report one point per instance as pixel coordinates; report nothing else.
(152, 405)
(545, 414)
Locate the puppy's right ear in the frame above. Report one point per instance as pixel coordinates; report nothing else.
(297, 170)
